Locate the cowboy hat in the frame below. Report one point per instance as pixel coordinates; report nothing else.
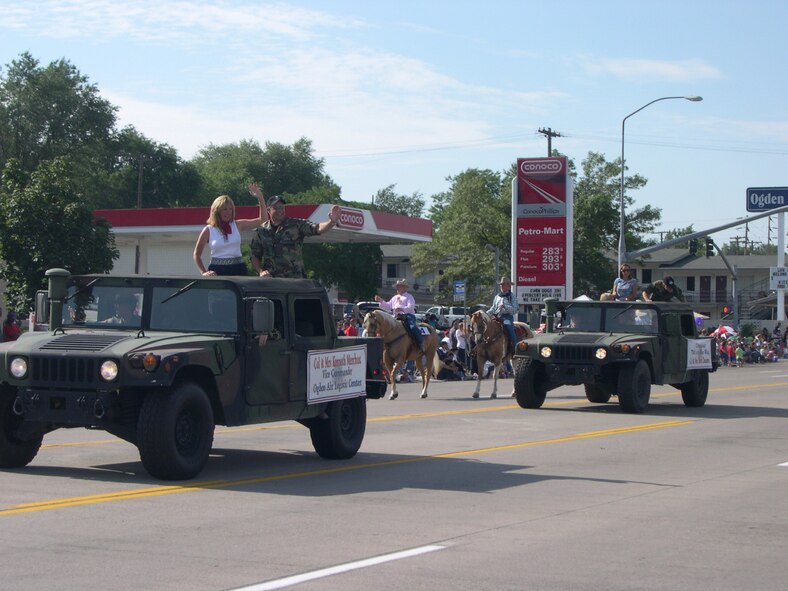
(403, 283)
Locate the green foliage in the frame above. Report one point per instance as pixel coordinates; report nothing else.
(597, 197)
(167, 180)
(741, 248)
(748, 330)
(278, 169)
(45, 224)
(50, 112)
(387, 199)
(476, 212)
(354, 268)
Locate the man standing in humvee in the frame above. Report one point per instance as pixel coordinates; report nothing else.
(663, 291)
(277, 244)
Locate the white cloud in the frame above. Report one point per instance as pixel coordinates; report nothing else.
(645, 69)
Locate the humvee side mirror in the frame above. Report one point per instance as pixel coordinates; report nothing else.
(42, 307)
(263, 316)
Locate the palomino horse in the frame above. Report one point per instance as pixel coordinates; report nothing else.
(398, 348)
(490, 340)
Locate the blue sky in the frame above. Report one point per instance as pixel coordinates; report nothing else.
(409, 93)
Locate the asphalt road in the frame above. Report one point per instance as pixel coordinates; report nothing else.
(447, 493)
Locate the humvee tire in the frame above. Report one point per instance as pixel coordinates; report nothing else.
(634, 387)
(530, 384)
(339, 436)
(14, 451)
(596, 394)
(695, 391)
(175, 432)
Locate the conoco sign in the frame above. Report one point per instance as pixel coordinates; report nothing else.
(352, 219)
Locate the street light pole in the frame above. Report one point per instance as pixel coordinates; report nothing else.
(622, 248)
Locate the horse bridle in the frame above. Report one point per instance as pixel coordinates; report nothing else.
(374, 323)
(487, 341)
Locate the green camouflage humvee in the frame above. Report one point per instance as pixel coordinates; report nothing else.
(160, 361)
(615, 348)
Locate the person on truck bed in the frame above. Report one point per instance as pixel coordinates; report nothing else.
(663, 291)
(223, 235)
(403, 306)
(277, 245)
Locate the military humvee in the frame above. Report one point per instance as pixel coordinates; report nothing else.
(182, 356)
(615, 348)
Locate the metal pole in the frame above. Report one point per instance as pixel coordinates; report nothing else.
(622, 248)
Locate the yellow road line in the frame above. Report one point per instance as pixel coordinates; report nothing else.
(420, 415)
(219, 484)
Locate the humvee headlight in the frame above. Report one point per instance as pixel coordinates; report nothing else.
(546, 352)
(18, 367)
(150, 362)
(600, 353)
(109, 370)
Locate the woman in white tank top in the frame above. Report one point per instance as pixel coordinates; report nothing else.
(223, 236)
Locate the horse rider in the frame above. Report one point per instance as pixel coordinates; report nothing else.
(504, 308)
(403, 306)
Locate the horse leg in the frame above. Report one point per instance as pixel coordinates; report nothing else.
(479, 375)
(392, 369)
(495, 379)
(422, 367)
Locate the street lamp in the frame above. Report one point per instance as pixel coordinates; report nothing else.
(622, 249)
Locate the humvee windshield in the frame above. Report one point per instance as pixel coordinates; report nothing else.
(120, 306)
(607, 318)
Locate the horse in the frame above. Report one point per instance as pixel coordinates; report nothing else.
(490, 345)
(398, 347)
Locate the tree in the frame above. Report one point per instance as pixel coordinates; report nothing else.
(44, 223)
(167, 181)
(279, 169)
(678, 233)
(387, 199)
(477, 212)
(52, 112)
(596, 222)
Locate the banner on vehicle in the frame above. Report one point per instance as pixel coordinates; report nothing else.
(333, 374)
(698, 353)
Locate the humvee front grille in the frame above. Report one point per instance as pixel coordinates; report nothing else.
(573, 354)
(64, 372)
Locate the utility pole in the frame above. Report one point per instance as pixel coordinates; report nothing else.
(139, 183)
(549, 134)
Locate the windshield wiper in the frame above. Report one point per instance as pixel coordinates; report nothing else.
(179, 292)
(81, 289)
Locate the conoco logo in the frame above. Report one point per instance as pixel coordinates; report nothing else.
(546, 166)
(351, 218)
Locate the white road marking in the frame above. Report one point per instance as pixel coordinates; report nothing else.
(784, 464)
(341, 568)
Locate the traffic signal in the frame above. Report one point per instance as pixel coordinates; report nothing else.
(709, 247)
(693, 246)
(726, 310)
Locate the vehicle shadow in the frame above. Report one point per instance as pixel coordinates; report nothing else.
(305, 474)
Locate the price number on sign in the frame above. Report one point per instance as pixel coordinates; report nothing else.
(551, 258)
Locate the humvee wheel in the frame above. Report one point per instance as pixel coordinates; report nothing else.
(634, 387)
(175, 432)
(695, 391)
(530, 387)
(15, 452)
(596, 394)
(339, 436)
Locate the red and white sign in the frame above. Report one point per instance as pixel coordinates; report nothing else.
(352, 219)
(542, 230)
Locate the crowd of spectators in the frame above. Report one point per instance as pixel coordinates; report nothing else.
(763, 347)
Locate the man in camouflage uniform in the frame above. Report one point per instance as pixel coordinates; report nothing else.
(277, 245)
(663, 291)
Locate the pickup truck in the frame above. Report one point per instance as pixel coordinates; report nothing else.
(446, 315)
(615, 348)
(183, 356)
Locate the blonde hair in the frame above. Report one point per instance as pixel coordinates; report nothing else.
(218, 204)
